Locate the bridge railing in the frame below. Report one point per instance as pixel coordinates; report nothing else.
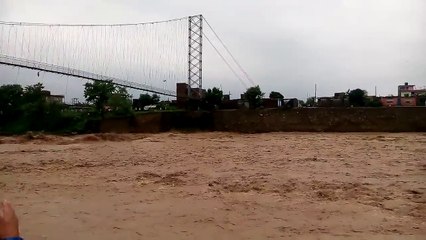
(46, 67)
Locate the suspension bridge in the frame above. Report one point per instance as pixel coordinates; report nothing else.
(149, 56)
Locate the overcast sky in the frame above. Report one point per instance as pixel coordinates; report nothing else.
(285, 45)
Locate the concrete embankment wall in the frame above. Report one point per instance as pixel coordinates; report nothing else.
(269, 120)
(154, 122)
(324, 119)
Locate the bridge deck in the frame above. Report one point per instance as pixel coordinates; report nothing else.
(35, 65)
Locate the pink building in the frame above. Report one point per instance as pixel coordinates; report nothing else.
(389, 101)
(408, 101)
(407, 94)
(393, 101)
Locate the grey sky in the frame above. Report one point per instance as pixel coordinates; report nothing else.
(285, 45)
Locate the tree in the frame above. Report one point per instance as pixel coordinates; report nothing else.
(34, 106)
(276, 95)
(310, 102)
(146, 99)
(357, 97)
(213, 98)
(120, 102)
(27, 109)
(254, 96)
(155, 98)
(98, 93)
(37, 112)
(11, 99)
(34, 93)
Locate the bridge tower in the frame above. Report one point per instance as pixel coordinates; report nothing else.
(195, 56)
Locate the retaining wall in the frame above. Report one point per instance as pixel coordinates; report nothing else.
(404, 119)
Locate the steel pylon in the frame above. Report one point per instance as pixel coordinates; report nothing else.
(195, 56)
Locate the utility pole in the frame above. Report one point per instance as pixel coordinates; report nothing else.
(315, 98)
(375, 91)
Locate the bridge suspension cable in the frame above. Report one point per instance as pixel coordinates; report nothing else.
(226, 62)
(90, 25)
(142, 55)
(230, 54)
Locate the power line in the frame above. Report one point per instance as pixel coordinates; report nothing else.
(229, 52)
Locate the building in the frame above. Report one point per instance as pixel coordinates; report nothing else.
(183, 97)
(290, 103)
(53, 98)
(406, 90)
(339, 100)
(56, 98)
(271, 103)
(182, 90)
(408, 95)
(389, 101)
(408, 101)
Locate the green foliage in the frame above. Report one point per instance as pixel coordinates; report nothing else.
(357, 97)
(48, 115)
(36, 108)
(276, 95)
(28, 109)
(72, 121)
(98, 93)
(146, 99)
(120, 102)
(212, 99)
(34, 93)
(106, 96)
(254, 96)
(11, 98)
